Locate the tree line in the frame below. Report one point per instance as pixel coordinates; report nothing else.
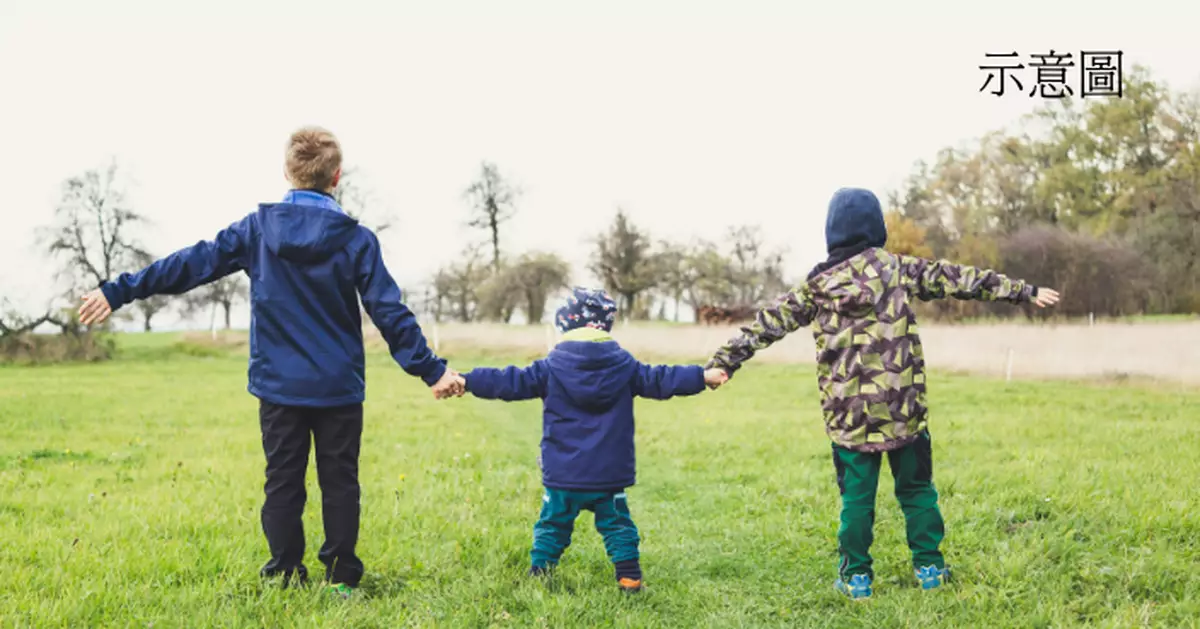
(1100, 198)
(96, 234)
(646, 275)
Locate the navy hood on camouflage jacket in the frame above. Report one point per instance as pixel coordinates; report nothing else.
(587, 385)
(853, 224)
(870, 365)
(308, 263)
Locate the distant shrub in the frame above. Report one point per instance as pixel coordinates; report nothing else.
(1096, 275)
(42, 349)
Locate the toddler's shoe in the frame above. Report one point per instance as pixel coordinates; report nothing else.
(858, 588)
(629, 575)
(629, 585)
(932, 577)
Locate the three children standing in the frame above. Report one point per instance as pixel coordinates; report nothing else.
(309, 265)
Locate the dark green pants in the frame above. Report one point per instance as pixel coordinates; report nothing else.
(560, 507)
(858, 478)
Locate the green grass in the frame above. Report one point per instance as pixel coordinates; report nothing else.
(129, 497)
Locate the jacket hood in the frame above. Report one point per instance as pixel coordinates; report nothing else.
(594, 374)
(855, 221)
(304, 233)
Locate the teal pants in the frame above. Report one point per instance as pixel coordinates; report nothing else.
(858, 478)
(560, 507)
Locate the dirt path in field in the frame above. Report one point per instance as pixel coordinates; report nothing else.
(1166, 351)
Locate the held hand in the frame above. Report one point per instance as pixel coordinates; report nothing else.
(95, 308)
(714, 378)
(1046, 297)
(450, 385)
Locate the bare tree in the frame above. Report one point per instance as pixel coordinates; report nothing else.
(153, 305)
(537, 275)
(498, 294)
(150, 307)
(623, 260)
(222, 293)
(708, 280)
(757, 273)
(91, 233)
(14, 323)
(674, 277)
(428, 305)
(492, 203)
(456, 286)
(359, 203)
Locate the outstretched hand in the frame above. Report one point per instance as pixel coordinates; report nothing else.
(452, 384)
(95, 308)
(714, 378)
(1046, 297)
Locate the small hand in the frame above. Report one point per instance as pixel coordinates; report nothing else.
(451, 384)
(1046, 297)
(714, 378)
(95, 308)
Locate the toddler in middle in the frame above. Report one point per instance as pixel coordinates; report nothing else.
(587, 384)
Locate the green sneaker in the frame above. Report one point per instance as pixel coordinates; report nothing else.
(342, 590)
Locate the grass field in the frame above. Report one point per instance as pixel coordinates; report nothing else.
(129, 497)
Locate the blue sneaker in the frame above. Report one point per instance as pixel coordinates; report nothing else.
(858, 588)
(931, 577)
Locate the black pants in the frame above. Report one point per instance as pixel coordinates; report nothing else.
(287, 432)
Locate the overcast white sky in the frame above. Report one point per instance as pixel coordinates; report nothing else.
(692, 115)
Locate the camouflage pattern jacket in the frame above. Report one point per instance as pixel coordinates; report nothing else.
(870, 367)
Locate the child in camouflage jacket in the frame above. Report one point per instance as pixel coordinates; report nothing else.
(871, 373)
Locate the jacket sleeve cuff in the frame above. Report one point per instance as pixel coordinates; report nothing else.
(433, 376)
(715, 363)
(112, 296)
(697, 379)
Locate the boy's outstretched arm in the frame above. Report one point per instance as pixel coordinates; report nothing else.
(398, 325)
(789, 313)
(930, 279)
(663, 382)
(175, 274)
(510, 384)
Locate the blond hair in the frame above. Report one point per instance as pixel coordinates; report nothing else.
(313, 158)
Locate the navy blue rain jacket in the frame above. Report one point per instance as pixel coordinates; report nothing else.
(308, 265)
(587, 389)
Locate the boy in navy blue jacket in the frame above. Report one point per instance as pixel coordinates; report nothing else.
(587, 385)
(308, 264)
